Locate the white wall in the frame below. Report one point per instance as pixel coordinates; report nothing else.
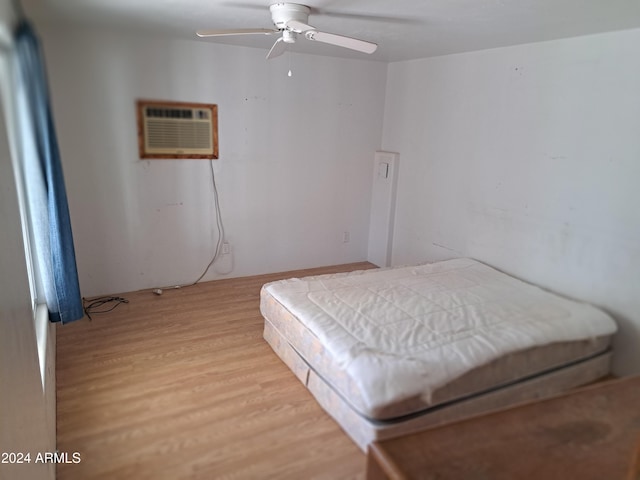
(527, 158)
(295, 157)
(27, 409)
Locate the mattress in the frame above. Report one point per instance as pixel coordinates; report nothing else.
(396, 342)
(363, 431)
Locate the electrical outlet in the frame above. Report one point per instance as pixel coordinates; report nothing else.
(346, 237)
(226, 248)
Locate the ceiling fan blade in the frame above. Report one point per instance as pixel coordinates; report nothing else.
(238, 31)
(298, 26)
(278, 48)
(341, 41)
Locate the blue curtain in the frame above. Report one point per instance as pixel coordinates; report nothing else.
(48, 212)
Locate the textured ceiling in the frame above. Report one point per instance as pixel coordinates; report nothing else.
(404, 29)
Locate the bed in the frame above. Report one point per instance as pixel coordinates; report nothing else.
(387, 352)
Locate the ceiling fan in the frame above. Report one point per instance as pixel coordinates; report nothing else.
(292, 19)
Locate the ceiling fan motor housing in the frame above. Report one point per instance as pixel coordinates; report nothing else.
(281, 13)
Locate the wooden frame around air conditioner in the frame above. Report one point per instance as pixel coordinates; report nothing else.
(213, 108)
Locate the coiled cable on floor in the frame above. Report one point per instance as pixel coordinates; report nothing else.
(97, 305)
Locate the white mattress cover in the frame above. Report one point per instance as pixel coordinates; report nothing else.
(407, 331)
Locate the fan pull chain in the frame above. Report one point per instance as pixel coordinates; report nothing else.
(289, 73)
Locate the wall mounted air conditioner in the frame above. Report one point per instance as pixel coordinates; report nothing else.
(177, 130)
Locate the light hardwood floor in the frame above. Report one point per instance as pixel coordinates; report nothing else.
(182, 386)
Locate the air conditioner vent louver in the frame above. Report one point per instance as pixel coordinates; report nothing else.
(181, 134)
(177, 130)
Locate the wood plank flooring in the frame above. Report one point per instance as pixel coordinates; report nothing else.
(183, 386)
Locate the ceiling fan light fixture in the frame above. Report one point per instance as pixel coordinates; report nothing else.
(288, 36)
